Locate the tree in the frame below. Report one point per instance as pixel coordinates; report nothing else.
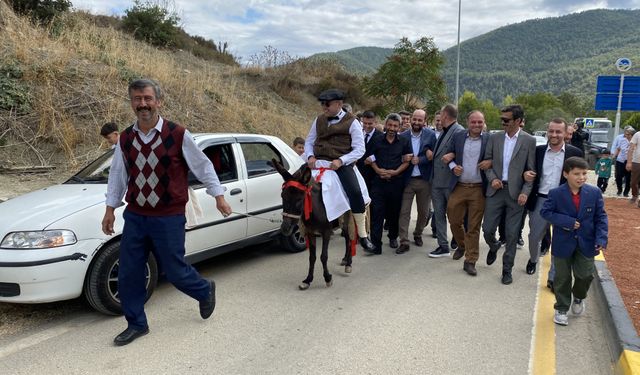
(469, 102)
(270, 57)
(40, 10)
(411, 76)
(152, 22)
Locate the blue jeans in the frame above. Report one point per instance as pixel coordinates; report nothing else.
(167, 236)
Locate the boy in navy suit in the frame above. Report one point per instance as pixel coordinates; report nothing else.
(580, 229)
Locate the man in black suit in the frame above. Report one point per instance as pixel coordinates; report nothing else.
(369, 130)
(548, 175)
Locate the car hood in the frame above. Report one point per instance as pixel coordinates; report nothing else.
(41, 208)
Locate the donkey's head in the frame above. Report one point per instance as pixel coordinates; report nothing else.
(294, 190)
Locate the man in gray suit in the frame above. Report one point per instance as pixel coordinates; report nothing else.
(512, 152)
(442, 175)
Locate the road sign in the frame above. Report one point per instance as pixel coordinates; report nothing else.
(588, 123)
(611, 85)
(609, 102)
(623, 64)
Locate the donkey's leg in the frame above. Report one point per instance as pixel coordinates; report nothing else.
(311, 238)
(326, 237)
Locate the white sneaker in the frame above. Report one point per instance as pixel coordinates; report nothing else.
(577, 307)
(561, 318)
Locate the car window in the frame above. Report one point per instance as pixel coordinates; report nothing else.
(258, 157)
(97, 172)
(224, 163)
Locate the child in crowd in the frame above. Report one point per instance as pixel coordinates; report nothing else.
(298, 145)
(603, 169)
(580, 230)
(110, 133)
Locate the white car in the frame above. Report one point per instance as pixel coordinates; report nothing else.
(540, 140)
(53, 247)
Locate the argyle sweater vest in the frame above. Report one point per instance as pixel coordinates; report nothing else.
(332, 141)
(157, 171)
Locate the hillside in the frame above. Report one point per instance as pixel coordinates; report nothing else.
(57, 88)
(552, 54)
(359, 60)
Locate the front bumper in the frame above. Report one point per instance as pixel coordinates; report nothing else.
(45, 275)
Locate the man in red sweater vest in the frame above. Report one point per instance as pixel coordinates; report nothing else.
(149, 169)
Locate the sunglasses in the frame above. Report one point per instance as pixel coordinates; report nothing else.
(506, 120)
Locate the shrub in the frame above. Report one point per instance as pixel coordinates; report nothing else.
(152, 23)
(42, 11)
(13, 94)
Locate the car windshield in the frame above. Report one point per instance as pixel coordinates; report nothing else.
(599, 137)
(95, 173)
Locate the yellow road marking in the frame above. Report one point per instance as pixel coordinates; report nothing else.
(542, 360)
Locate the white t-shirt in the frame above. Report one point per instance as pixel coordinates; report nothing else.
(635, 140)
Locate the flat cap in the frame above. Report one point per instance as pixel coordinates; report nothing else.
(331, 94)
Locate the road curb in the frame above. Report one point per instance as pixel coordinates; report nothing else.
(623, 340)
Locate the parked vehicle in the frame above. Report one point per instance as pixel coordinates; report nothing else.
(53, 247)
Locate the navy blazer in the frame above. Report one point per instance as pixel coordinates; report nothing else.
(560, 211)
(367, 171)
(457, 147)
(569, 151)
(427, 142)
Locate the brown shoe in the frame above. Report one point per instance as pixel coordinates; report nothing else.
(402, 249)
(470, 268)
(418, 240)
(458, 253)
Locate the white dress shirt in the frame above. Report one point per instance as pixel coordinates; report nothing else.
(509, 145)
(357, 140)
(551, 170)
(197, 161)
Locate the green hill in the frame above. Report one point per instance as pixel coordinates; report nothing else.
(552, 54)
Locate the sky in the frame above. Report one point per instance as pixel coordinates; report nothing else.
(304, 27)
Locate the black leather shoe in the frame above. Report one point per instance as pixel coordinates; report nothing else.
(459, 253)
(491, 257)
(208, 305)
(402, 249)
(374, 251)
(128, 335)
(393, 243)
(531, 268)
(470, 268)
(506, 278)
(366, 244)
(418, 240)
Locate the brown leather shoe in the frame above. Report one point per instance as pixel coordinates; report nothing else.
(458, 253)
(470, 268)
(402, 249)
(418, 240)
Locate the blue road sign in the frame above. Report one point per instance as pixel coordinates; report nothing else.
(611, 85)
(588, 123)
(609, 102)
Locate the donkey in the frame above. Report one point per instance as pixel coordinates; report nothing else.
(302, 202)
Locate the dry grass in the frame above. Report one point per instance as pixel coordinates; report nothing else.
(77, 81)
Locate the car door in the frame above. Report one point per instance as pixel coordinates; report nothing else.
(210, 229)
(264, 185)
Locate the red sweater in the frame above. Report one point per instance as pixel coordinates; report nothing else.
(157, 171)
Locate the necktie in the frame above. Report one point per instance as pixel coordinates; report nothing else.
(366, 138)
(332, 118)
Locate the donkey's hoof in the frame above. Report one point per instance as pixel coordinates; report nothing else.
(329, 283)
(347, 269)
(304, 286)
(344, 262)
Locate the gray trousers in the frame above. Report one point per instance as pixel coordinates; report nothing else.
(440, 199)
(537, 229)
(421, 189)
(493, 210)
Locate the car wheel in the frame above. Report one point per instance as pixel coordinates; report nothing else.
(101, 282)
(294, 243)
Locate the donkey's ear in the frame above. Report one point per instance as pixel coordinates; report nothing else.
(306, 174)
(283, 172)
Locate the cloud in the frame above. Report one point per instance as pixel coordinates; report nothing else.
(305, 27)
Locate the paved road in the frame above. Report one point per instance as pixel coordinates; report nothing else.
(402, 314)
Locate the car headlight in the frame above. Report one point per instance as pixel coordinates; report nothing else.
(41, 239)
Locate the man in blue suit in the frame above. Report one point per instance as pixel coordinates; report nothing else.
(580, 230)
(417, 180)
(468, 186)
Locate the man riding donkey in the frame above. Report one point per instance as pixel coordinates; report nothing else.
(336, 141)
